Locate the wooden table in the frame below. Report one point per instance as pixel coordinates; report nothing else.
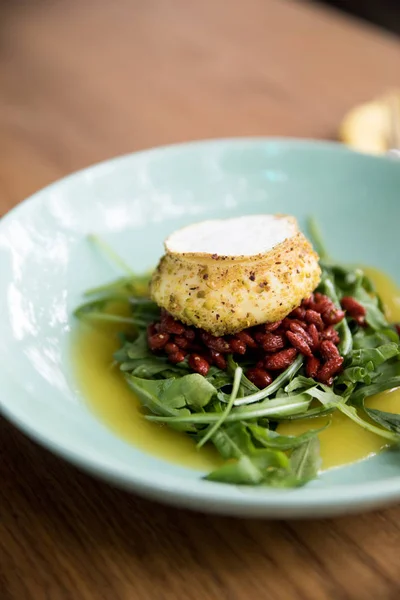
(81, 81)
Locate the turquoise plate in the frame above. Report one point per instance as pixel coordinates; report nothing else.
(134, 202)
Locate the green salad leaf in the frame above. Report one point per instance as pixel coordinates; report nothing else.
(226, 409)
(271, 439)
(305, 460)
(233, 441)
(387, 420)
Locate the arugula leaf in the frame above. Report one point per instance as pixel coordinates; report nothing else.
(312, 413)
(224, 415)
(246, 383)
(110, 254)
(375, 388)
(232, 441)
(363, 338)
(274, 409)
(195, 391)
(357, 375)
(149, 391)
(136, 359)
(144, 305)
(95, 310)
(351, 412)
(390, 421)
(327, 287)
(305, 460)
(136, 349)
(376, 355)
(333, 400)
(316, 238)
(122, 288)
(147, 368)
(300, 383)
(374, 317)
(167, 396)
(272, 439)
(324, 394)
(265, 459)
(251, 470)
(218, 378)
(280, 381)
(240, 472)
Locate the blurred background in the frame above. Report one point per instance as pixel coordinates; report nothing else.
(83, 80)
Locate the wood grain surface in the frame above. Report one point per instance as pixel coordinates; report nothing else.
(81, 81)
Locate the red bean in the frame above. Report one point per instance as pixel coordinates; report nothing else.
(157, 341)
(189, 334)
(329, 369)
(313, 332)
(331, 334)
(176, 357)
(307, 301)
(218, 359)
(300, 329)
(182, 342)
(333, 316)
(280, 360)
(216, 343)
(360, 320)
(269, 327)
(312, 365)
(299, 343)
(308, 330)
(321, 305)
(271, 342)
(198, 364)
(298, 313)
(171, 348)
(353, 308)
(246, 338)
(237, 346)
(170, 325)
(151, 329)
(312, 316)
(259, 377)
(328, 350)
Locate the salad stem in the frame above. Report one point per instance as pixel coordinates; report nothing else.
(110, 254)
(279, 382)
(236, 384)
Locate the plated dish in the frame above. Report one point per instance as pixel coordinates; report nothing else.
(132, 204)
(242, 334)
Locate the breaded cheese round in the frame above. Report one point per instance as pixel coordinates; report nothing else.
(226, 275)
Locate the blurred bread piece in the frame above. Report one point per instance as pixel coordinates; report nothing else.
(370, 127)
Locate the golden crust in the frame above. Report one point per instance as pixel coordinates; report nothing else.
(225, 294)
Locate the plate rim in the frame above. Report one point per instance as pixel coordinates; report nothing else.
(261, 139)
(175, 489)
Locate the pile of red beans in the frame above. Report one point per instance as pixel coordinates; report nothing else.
(308, 330)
